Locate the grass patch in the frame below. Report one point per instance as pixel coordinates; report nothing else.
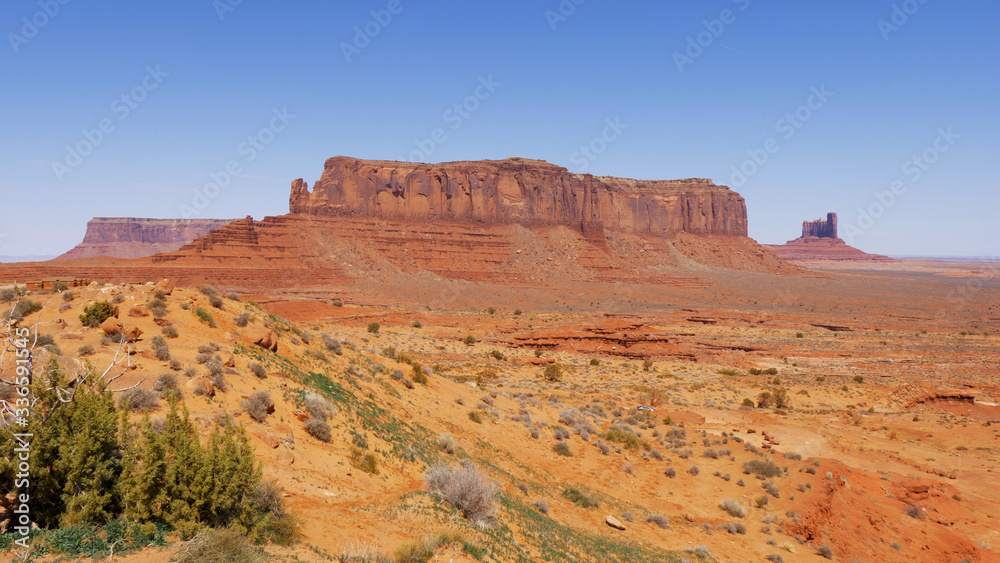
(579, 497)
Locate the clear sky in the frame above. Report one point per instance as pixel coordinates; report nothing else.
(188, 88)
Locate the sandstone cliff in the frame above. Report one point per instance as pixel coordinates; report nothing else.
(129, 237)
(519, 191)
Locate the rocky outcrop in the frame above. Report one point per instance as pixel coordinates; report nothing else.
(519, 191)
(129, 237)
(819, 241)
(422, 228)
(820, 228)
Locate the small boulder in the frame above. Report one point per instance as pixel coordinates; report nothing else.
(264, 338)
(230, 360)
(138, 311)
(111, 326)
(132, 334)
(614, 522)
(201, 386)
(164, 285)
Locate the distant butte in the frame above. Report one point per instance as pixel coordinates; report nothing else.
(819, 241)
(131, 237)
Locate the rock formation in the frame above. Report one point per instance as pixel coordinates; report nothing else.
(129, 237)
(519, 191)
(514, 223)
(819, 241)
(820, 228)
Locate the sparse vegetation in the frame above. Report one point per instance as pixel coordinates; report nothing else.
(373, 328)
(466, 488)
(318, 407)
(319, 429)
(223, 545)
(95, 314)
(661, 521)
(205, 317)
(562, 448)
(733, 507)
(258, 405)
(160, 349)
(553, 372)
(579, 497)
(763, 469)
(139, 399)
(258, 370)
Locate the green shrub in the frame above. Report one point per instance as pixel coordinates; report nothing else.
(625, 436)
(205, 317)
(579, 497)
(562, 448)
(553, 372)
(374, 328)
(764, 469)
(169, 331)
(595, 362)
(418, 374)
(23, 308)
(469, 340)
(365, 461)
(85, 350)
(474, 416)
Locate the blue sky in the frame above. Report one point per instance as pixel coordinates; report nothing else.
(700, 90)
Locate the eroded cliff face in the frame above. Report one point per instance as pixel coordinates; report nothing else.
(519, 191)
(130, 237)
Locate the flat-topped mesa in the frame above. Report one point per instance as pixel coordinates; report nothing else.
(519, 191)
(131, 237)
(820, 228)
